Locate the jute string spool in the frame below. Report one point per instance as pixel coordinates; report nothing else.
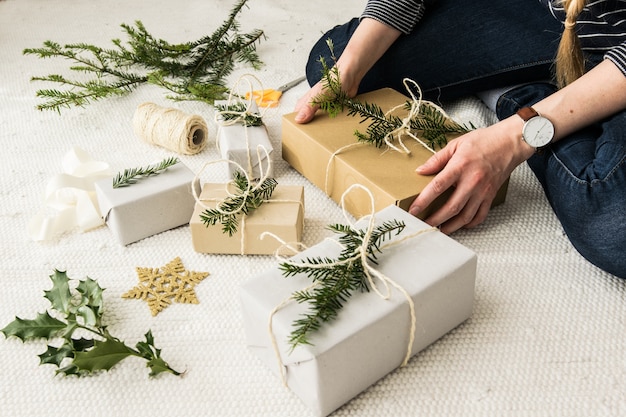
(170, 128)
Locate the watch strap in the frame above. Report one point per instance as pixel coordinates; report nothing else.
(527, 113)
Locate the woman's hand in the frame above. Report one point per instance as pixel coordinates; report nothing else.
(475, 165)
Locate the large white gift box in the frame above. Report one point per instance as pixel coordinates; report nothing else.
(247, 146)
(371, 336)
(149, 206)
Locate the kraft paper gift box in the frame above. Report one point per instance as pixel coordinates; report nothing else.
(240, 144)
(388, 174)
(149, 206)
(370, 337)
(282, 215)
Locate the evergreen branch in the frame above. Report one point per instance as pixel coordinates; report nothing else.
(131, 175)
(434, 125)
(229, 112)
(190, 71)
(230, 210)
(337, 278)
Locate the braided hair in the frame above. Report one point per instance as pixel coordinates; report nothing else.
(570, 62)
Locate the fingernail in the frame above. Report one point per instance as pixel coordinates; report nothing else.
(414, 211)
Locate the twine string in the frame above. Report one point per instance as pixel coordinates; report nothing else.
(359, 253)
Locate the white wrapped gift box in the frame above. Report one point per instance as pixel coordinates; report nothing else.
(151, 205)
(249, 147)
(370, 338)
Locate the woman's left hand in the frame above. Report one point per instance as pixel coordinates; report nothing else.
(475, 165)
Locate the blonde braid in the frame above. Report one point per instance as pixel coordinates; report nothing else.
(570, 62)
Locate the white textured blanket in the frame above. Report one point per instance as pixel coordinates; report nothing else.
(547, 337)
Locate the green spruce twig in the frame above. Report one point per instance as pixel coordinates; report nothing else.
(229, 112)
(81, 310)
(230, 210)
(337, 279)
(433, 125)
(193, 70)
(131, 175)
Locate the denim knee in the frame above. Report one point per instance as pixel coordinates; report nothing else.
(339, 35)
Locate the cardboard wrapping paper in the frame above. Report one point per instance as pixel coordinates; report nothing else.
(282, 215)
(370, 337)
(240, 144)
(151, 205)
(388, 174)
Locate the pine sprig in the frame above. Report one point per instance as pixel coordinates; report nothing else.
(193, 70)
(132, 175)
(230, 210)
(81, 310)
(337, 278)
(233, 111)
(433, 125)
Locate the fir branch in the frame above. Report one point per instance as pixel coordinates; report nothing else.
(81, 309)
(337, 278)
(230, 210)
(131, 175)
(229, 112)
(434, 125)
(189, 71)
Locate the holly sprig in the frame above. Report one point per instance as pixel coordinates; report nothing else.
(337, 279)
(230, 210)
(80, 310)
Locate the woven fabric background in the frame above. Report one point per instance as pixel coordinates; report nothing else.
(547, 337)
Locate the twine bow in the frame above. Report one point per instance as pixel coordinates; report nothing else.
(398, 133)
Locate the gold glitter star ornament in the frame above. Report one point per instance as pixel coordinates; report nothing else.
(160, 286)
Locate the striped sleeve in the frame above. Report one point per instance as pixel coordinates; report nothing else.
(399, 14)
(618, 56)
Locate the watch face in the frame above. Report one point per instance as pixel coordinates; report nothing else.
(538, 131)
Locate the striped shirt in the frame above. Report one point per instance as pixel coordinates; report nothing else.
(601, 27)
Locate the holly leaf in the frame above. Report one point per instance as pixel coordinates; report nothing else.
(56, 355)
(158, 365)
(153, 355)
(103, 356)
(59, 296)
(91, 294)
(43, 326)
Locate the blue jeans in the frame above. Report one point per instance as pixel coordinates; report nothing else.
(459, 47)
(584, 178)
(455, 51)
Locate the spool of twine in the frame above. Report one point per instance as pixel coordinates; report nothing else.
(170, 128)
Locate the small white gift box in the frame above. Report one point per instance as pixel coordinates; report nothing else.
(371, 336)
(149, 206)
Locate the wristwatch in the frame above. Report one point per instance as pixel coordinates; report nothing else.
(538, 131)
